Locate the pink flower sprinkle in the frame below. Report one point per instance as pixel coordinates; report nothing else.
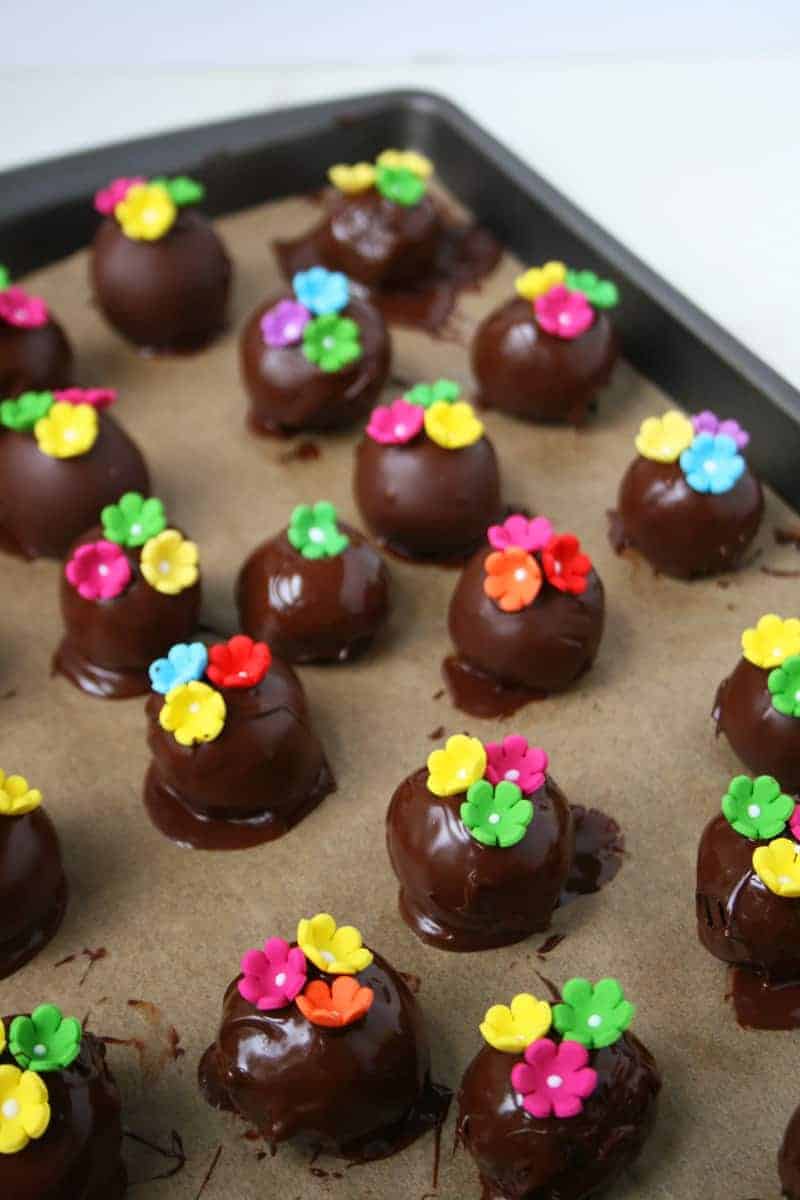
(563, 313)
(794, 823)
(97, 397)
(107, 199)
(98, 570)
(283, 324)
(554, 1079)
(396, 423)
(515, 761)
(519, 531)
(272, 976)
(709, 422)
(21, 310)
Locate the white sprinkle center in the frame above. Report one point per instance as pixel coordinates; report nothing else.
(327, 955)
(512, 774)
(554, 1081)
(194, 707)
(494, 818)
(163, 567)
(316, 534)
(280, 979)
(594, 1020)
(10, 1109)
(753, 811)
(102, 569)
(40, 1050)
(521, 574)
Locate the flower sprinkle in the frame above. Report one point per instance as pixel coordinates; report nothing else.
(399, 175)
(512, 1029)
(778, 867)
(709, 422)
(563, 313)
(757, 808)
(454, 769)
(514, 761)
(132, 521)
(193, 712)
(565, 565)
(314, 531)
(518, 530)
(663, 439)
(784, 687)
(24, 1108)
(274, 976)
(16, 798)
(284, 323)
(594, 1016)
(98, 571)
(772, 641)
(554, 1080)
(22, 414)
(513, 579)
(45, 1041)
(23, 311)
(169, 562)
(352, 180)
(147, 212)
(342, 1003)
(537, 281)
(321, 291)
(453, 426)
(67, 431)
(336, 951)
(184, 663)
(97, 397)
(238, 663)
(446, 391)
(395, 424)
(332, 342)
(712, 463)
(496, 816)
(601, 293)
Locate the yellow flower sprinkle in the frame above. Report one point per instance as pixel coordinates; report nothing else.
(16, 797)
(409, 160)
(538, 280)
(778, 867)
(2, 1036)
(24, 1108)
(147, 212)
(351, 180)
(457, 767)
(452, 426)
(67, 431)
(337, 951)
(169, 562)
(664, 439)
(513, 1029)
(772, 641)
(193, 712)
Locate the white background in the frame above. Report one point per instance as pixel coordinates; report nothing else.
(677, 125)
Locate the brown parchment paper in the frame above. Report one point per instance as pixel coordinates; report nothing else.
(635, 738)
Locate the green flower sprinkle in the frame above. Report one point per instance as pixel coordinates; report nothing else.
(5, 278)
(400, 185)
(182, 189)
(313, 530)
(784, 686)
(594, 1016)
(756, 808)
(426, 394)
(331, 342)
(45, 1041)
(601, 293)
(22, 414)
(496, 816)
(132, 521)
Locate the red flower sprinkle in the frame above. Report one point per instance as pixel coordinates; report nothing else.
(238, 663)
(565, 564)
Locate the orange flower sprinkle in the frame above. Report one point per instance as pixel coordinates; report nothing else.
(513, 578)
(341, 1004)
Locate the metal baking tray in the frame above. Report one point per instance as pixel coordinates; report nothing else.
(44, 215)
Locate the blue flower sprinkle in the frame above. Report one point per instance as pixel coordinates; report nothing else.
(322, 291)
(712, 463)
(184, 663)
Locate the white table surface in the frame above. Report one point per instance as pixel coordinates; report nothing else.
(693, 163)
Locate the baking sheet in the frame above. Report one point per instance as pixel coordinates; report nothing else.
(635, 739)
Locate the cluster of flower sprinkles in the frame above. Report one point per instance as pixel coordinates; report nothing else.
(168, 562)
(64, 423)
(16, 797)
(18, 307)
(514, 577)
(193, 711)
(40, 1043)
(499, 778)
(400, 176)
(706, 447)
(435, 408)
(146, 209)
(564, 301)
(774, 644)
(759, 810)
(276, 977)
(555, 1077)
(314, 531)
(312, 320)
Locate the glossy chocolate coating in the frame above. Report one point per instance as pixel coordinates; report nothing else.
(767, 742)
(78, 1156)
(789, 1158)
(109, 644)
(521, 1157)
(33, 889)
(423, 501)
(289, 393)
(313, 609)
(739, 920)
(34, 360)
(546, 646)
(682, 532)
(362, 1092)
(168, 295)
(45, 503)
(523, 370)
(266, 769)
(458, 894)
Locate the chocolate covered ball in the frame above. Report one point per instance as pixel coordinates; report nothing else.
(357, 1087)
(318, 592)
(33, 887)
(34, 359)
(789, 1159)
(697, 513)
(376, 241)
(288, 391)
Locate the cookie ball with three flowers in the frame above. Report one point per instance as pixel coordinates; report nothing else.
(130, 589)
(561, 1098)
(757, 707)
(317, 591)
(526, 617)
(427, 480)
(159, 269)
(545, 354)
(688, 502)
(35, 353)
(322, 1041)
(33, 886)
(314, 360)
(481, 841)
(62, 458)
(235, 760)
